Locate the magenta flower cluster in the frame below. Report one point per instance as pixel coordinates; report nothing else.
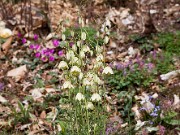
(46, 54)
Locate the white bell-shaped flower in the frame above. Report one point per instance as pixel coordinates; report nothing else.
(70, 55)
(107, 70)
(63, 65)
(96, 97)
(5, 33)
(90, 106)
(75, 70)
(79, 97)
(67, 85)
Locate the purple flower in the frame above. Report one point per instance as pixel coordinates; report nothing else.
(150, 66)
(154, 114)
(44, 59)
(51, 58)
(55, 42)
(60, 53)
(24, 40)
(38, 54)
(161, 130)
(119, 66)
(36, 47)
(36, 37)
(31, 46)
(51, 51)
(143, 108)
(1, 86)
(19, 34)
(71, 44)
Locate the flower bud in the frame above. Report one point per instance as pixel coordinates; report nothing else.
(72, 33)
(74, 48)
(106, 39)
(63, 37)
(83, 36)
(82, 54)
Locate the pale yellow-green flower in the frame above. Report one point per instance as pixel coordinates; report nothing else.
(98, 49)
(98, 65)
(106, 39)
(107, 70)
(82, 54)
(5, 33)
(83, 36)
(74, 47)
(75, 70)
(70, 55)
(67, 85)
(97, 79)
(96, 97)
(99, 57)
(63, 37)
(72, 33)
(63, 65)
(87, 82)
(90, 105)
(85, 48)
(79, 97)
(80, 76)
(78, 43)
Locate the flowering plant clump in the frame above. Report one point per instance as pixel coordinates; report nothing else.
(82, 82)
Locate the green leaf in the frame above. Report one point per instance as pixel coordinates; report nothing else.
(172, 122)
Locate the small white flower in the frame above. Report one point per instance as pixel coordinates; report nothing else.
(107, 70)
(67, 85)
(70, 55)
(75, 70)
(90, 106)
(63, 65)
(79, 97)
(99, 58)
(96, 97)
(5, 33)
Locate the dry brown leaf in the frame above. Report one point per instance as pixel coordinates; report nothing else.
(2, 99)
(18, 73)
(7, 45)
(43, 115)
